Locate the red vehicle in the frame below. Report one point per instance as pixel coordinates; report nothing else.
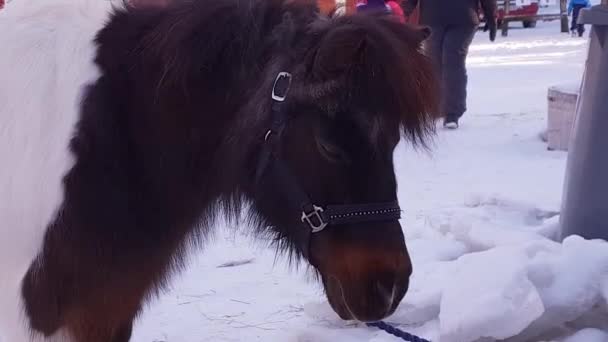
(526, 14)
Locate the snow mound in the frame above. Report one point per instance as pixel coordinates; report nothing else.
(588, 335)
(504, 281)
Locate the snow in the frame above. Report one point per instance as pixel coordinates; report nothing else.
(568, 88)
(482, 220)
(588, 335)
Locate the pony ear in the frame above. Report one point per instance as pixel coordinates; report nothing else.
(341, 49)
(422, 32)
(345, 47)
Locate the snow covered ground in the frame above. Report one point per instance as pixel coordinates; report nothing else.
(481, 214)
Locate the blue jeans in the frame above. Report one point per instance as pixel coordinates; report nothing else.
(580, 28)
(448, 47)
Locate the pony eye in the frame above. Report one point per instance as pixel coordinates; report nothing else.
(332, 152)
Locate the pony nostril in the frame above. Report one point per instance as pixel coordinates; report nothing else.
(393, 292)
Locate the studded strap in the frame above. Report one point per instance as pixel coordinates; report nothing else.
(344, 214)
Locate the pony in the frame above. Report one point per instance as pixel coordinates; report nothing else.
(125, 132)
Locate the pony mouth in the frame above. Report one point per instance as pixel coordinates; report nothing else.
(349, 313)
(345, 312)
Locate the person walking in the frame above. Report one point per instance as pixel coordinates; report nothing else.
(453, 25)
(574, 8)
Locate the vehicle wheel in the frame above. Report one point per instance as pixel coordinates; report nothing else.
(529, 23)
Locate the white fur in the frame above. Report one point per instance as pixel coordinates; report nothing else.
(46, 56)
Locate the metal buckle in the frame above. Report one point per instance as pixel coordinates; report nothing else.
(281, 97)
(267, 135)
(315, 214)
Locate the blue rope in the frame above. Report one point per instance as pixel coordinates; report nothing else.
(397, 332)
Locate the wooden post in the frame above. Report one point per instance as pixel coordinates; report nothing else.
(563, 8)
(505, 21)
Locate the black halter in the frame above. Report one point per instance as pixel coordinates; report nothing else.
(313, 216)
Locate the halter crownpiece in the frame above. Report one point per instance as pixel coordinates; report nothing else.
(316, 217)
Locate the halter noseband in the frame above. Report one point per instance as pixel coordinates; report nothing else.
(316, 217)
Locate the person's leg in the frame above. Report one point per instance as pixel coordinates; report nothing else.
(574, 19)
(434, 47)
(455, 50)
(580, 28)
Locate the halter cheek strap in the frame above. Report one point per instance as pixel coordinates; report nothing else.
(314, 217)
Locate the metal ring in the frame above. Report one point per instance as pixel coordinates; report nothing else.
(267, 135)
(281, 97)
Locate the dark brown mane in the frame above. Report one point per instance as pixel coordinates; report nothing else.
(387, 69)
(358, 64)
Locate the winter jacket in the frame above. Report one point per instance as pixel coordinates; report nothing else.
(451, 12)
(571, 4)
